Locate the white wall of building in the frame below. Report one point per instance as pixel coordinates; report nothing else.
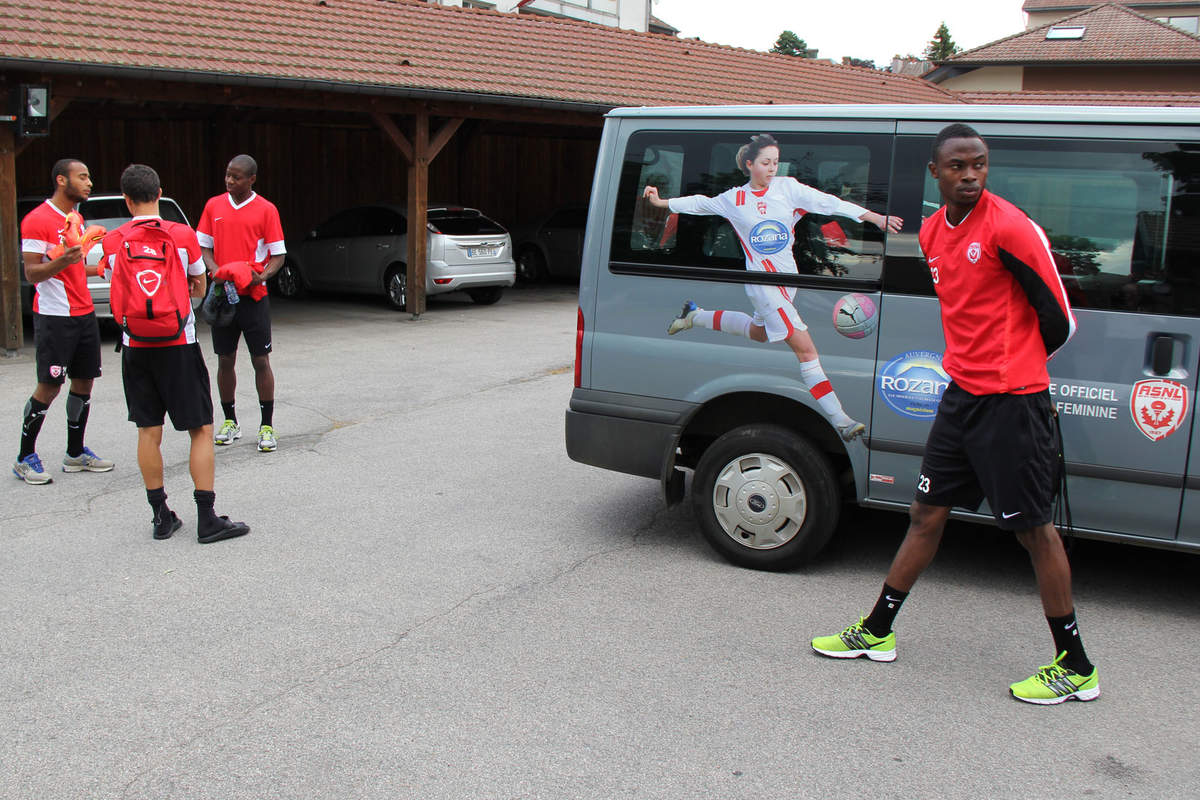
(631, 14)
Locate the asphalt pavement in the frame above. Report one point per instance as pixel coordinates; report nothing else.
(434, 602)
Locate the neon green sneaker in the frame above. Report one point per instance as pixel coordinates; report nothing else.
(266, 439)
(230, 430)
(1054, 684)
(855, 642)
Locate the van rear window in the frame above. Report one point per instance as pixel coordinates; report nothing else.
(852, 167)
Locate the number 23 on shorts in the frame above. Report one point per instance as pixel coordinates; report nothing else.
(923, 484)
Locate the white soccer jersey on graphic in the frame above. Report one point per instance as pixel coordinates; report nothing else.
(764, 222)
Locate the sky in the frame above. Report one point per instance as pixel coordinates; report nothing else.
(869, 29)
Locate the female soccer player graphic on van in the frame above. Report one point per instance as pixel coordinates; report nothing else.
(764, 212)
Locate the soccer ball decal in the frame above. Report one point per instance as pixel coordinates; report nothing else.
(854, 316)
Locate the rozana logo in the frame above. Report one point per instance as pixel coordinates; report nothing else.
(1159, 407)
(974, 251)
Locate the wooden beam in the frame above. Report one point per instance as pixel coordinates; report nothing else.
(88, 87)
(443, 135)
(57, 106)
(418, 205)
(11, 329)
(395, 134)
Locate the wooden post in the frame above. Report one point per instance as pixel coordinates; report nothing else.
(419, 151)
(11, 330)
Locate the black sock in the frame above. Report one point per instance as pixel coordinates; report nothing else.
(268, 410)
(230, 414)
(157, 498)
(206, 517)
(879, 623)
(31, 426)
(1067, 639)
(78, 407)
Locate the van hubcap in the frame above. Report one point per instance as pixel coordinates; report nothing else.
(759, 501)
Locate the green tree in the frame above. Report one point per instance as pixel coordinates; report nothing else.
(789, 44)
(941, 46)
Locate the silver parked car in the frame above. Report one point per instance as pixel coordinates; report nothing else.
(363, 250)
(110, 211)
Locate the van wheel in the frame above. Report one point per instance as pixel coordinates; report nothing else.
(395, 286)
(485, 296)
(766, 497)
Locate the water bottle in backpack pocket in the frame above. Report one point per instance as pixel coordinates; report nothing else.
(149, 293)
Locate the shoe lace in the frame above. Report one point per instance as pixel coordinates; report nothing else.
(87, 451)
(1050, 673)
(35, 462)
(228, 425)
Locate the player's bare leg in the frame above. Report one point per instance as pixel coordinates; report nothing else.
(1051, 567)
(227, 377)
(822, 390)
(925, 528)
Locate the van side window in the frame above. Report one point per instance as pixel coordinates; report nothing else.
(853, 167)
(1123, 218)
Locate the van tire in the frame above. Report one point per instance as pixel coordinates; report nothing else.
(783, 482)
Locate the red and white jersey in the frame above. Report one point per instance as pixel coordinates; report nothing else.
(1004, 308)
(65, 294)
(247, 231)
(764, 219)
(188, 249)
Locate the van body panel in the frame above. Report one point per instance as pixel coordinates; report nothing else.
(1117, 192)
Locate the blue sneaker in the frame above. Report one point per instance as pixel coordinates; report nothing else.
(684, 320)
(29, 469)
(87, 461)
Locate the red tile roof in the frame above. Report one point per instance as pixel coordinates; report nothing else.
(1113, 34)
(1073, 5)
(1065, 98)
(361, 44)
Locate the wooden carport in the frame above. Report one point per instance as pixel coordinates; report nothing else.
(423, 74)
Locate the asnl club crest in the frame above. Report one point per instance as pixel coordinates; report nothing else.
(769, 237)
(1159, 407)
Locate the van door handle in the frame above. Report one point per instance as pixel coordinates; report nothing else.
(1162, 354)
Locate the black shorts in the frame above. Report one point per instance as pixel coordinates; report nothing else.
(251, 319)
(66, 346)
(1000, 446)
(167, 380)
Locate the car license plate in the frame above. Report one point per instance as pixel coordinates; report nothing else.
(487, 251)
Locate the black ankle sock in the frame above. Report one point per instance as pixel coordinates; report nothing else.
(879, 623)
(268, 411)
(31, 426)
(206, 517)
(157, 498)
(1065, 631)
(229, 412)
(78, 406)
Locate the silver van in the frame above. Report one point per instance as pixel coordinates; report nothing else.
(1117, 191)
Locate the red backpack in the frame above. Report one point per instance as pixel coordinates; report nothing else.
(149, 293)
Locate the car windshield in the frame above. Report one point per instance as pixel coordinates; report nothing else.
(463, 222)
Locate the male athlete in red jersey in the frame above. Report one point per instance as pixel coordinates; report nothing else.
(169, 377)
(763, 213)
(1004, 314)
(65, 332)
(241, 225)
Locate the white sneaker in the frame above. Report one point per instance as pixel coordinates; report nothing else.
(684, 321)
(230, 431)
(266, 439)
(851, 430)
(87, 461)
(29, 469)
